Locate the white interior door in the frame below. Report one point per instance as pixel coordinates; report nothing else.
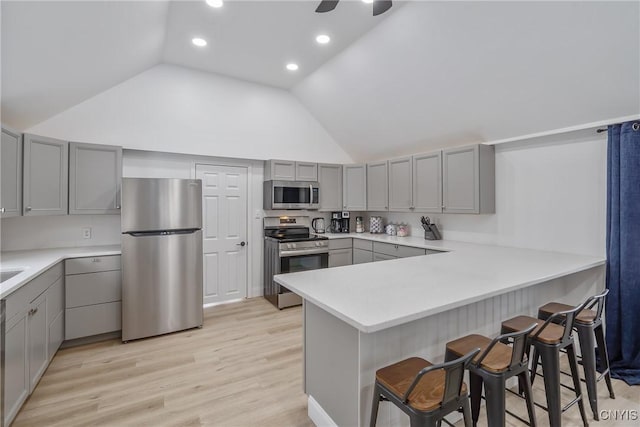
(224, 224)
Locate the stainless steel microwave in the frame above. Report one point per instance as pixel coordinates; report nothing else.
(291, 195)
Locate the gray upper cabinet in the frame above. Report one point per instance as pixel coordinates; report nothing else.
(11, 204)
(46, 175)
(306, 171)
(468, 179)
(330, 179)
(354, 187)
(95, 178)
(400, 185)
(377, 187)
(427, 182)
(279, 170)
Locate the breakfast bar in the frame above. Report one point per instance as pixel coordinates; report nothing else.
(359, 318)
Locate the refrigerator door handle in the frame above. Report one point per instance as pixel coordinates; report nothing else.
(162, 233)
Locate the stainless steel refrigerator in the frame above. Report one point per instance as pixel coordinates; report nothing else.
(161, 256)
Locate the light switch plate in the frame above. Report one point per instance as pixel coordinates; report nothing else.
(86, 232)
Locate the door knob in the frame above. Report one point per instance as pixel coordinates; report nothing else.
(240, 244)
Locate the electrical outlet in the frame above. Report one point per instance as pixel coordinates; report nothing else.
(86, 233)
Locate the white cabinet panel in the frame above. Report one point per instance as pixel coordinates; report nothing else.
(279, 170)
(377, 186)
(468, 179)
(46, 176)
(354, 187)
(400, 185)
(11, 174)
(427, 182)
(330, 180)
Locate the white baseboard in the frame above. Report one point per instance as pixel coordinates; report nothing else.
(319, 417)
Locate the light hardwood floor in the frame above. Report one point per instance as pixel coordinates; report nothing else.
(244, 368)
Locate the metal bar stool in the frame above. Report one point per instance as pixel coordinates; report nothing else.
(425, 392)
(496, 363)
(548, 339)
(588, 324)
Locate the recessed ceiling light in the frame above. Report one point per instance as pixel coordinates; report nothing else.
(323, 39)
(368, 1)
(199, 42)
(292, 67)
(215, 3)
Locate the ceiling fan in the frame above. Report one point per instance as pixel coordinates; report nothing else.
(379, 6)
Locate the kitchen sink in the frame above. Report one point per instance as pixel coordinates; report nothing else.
(8, 274)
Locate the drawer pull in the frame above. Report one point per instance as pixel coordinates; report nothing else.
(95, 259)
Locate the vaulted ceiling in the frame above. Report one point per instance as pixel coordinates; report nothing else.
(423, 75)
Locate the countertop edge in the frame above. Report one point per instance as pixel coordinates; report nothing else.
(64, 254)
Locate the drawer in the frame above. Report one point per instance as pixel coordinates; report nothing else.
(399, 251)
(360, 256)
(367, 245)
(92, 320)
(92, 264)
(93, 288)
(340, 244)
(20, 299)
(382, 257)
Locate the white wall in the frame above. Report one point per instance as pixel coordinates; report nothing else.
(174, 109)
(550, 195)
(41, 232)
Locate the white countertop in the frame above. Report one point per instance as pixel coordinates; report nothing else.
(34, 262)
(379, 295)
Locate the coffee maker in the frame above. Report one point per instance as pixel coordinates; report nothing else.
(340, 222)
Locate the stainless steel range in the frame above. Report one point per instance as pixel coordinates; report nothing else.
(288, 248)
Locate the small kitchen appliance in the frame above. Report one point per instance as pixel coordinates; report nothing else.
(289, 248)
(318, 225)
(291, 195)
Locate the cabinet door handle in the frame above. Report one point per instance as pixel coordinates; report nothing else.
(33, 311)
(28, 209)
(2, 210)
(95, 259)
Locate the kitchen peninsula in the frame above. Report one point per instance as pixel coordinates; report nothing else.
(360, 318)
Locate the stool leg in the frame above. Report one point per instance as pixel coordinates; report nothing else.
(466, 413)
(587, 348)
(604, 358)
(573, 364)
(495, 401)
(535, 358)
(525, 381)
(374, 405)
(551, 370)
(475, 382)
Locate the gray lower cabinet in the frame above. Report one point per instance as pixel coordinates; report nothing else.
(397, 251)
(11, 174)
(93, 296)
(361, 256)
(330, 183)
(95, 178)
(427, 182)
(340, 257)
(468, 179)
(46, 176)
(377, 186)
(354, 187)
(382, 257)
(29, 344)
(400, 185)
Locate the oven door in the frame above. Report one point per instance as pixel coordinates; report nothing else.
(293, 264)
(291, 195)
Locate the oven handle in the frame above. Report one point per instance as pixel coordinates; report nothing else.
(298, 252)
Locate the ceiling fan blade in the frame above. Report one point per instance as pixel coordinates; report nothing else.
(327, 6)
(381, 6)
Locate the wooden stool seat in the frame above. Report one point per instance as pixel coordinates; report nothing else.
(585, 316)
(498, 359)
(427, 395)
(552, 334)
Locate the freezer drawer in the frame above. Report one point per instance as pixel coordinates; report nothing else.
(161, 284)
(153, 204)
